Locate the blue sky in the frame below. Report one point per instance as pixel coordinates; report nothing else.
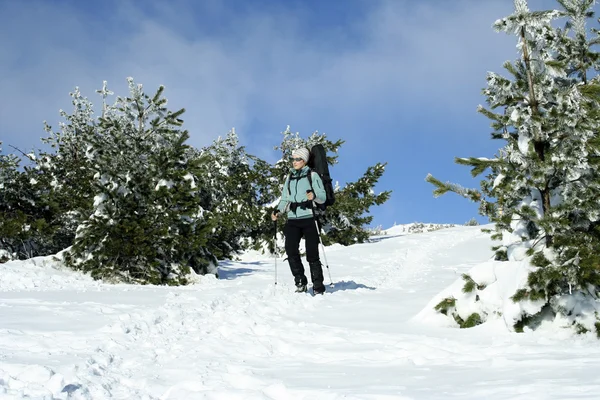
(398, 80)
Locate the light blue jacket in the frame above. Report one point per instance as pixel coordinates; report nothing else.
(298, 186)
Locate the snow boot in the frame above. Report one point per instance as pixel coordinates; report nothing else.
(318, 289)
(316, 274)
(301, 288)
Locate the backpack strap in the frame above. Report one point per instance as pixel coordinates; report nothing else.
(309, 176)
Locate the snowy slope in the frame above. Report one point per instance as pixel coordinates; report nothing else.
(372, 336)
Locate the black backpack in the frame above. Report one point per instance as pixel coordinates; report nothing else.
(317, 162)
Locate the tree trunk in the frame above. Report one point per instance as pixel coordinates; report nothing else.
(538, 144)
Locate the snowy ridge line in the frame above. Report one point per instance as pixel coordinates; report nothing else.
(413, 228)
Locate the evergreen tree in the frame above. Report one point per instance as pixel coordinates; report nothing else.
(65, 173)
(25, 219)
(266, 186)
(54, 193)
(545, 178)
(14, 241)
(147, 225)
(233, 197)
(347, 221)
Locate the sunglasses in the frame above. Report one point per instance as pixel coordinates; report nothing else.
(297, 159)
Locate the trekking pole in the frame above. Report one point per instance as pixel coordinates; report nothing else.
(321, 242)
(324, 255)
(275, 248)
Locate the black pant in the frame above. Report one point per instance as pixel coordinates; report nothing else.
(294, 230)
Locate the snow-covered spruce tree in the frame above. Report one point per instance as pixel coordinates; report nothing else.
(12, 217)
(242, 187)
(228, 175)
(545, 179)
(345, 221)
(26, 228)
(65, 173)
(147, 225)
(15, 200)
(266, 185)
(47, 200)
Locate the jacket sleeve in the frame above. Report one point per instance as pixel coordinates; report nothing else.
(318, 188)
(285, 197)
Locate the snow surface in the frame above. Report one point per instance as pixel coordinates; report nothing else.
(373, 335)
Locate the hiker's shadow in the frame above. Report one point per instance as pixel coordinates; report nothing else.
(227, 271)
(347, 285)
(232, 273)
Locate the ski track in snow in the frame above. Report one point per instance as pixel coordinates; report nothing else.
(241, 337)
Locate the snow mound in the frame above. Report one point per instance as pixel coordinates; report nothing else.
(42, 273)
(495, 282)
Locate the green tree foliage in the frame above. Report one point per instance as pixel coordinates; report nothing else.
(542, 188)
(234, 197)
(15, 202)
(346, 220)
(28, 227)
(147, 225)
(64, 173)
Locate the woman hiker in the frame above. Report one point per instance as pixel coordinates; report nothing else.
(297, 200)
